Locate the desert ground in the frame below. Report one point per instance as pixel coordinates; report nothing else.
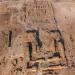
(37, 37)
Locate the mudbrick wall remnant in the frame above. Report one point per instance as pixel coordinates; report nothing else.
(37, 37)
